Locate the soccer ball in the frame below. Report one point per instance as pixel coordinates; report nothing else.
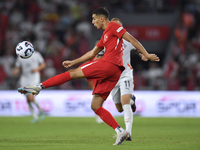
(24, 49)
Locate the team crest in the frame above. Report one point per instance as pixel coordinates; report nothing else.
(105, 38)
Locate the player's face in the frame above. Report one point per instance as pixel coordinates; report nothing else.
(96, 21)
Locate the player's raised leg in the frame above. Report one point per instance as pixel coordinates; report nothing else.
(53, 81)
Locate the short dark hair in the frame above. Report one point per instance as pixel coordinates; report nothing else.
(101, 11)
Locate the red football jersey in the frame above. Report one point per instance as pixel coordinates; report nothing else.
(111, 41)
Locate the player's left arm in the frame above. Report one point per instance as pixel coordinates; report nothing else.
(87, 56)
(138, 46)
(16, 71)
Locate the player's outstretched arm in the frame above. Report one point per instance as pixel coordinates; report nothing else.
(139, 47)
(87, 56)
(143, 57)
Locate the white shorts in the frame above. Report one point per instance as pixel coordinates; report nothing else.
(124, 86)
(29, 81)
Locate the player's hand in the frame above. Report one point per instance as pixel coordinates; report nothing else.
(143, 57)
(15, 72)
(153, 57)
(67, 64)
(34, 70)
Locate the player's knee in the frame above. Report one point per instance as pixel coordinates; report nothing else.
(30, 98)
(76, 73)
(120, 110)
(93, 107)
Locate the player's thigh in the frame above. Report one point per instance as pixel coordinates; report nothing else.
(26, 81)
(126, 86)
(101, 70)
(76, 73)
(116, 94)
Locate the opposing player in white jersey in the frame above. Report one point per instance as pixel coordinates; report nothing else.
(29, 70)
(122, 92)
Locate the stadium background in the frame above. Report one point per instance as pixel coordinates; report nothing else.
(62, 30)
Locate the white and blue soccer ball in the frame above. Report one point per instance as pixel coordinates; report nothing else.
(24, 49)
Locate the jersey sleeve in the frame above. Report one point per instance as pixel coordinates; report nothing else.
(117, 29)
(100, 44)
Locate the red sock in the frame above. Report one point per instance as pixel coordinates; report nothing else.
(107, 117)
(57, 80)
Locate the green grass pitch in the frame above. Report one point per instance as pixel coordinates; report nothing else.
(65, 133)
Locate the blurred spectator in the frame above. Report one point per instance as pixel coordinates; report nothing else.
(189, 21)
(83, 46)
(15, 17)
(171, 68)
(197, 72)
(182, 74)
(34, 10)
(139, 78)
(49, 70)
(191, 83)
(76, 10)
(154, 75)
(84, 27)
(181, 33)
(173, 83)
(12, 36)
(178, 49)
(3, 24)
(26, 28)
(63, 29)
(196, 40)
(7, 62)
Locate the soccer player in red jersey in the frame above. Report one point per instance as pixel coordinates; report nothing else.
(105, 71)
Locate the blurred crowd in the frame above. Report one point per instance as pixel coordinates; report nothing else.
(62, 29)
(181, 71)
(183, 68)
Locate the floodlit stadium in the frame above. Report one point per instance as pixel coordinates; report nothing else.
(64, 113)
